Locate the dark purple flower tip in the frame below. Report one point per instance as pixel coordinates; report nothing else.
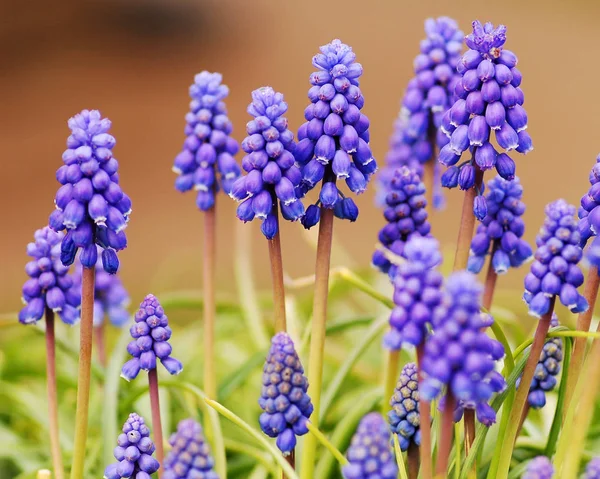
(370, 450)
(190, 453)
(539, 468)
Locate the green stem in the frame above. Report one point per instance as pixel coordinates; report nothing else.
(250, 451)
(328, 445)
(83, 378)
(291, 474)
(521, 396)
(210, 377)
(156, 422)
(57, 463)
(277, 277)
(317, 342)
(390, 378)
(353, 279)
(560, 406)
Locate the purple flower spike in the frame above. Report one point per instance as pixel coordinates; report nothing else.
(110, 297)
(539, 467)
(501, 230)
(404, 417)
(592, 470)
(589, 213)
(334, 141)
(406, 216)
(286, 405)
(208, 147)
(417, 292)
(90, 203)
(272, 173)
(555, 270)
(546, 371)
(370, 454)
(190, 454)
(133, 452)
(489, 100)
(459, 354)
(429, 96)
(151, 334)
(49, 284)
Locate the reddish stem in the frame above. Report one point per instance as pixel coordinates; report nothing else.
(447, 429)
(99, 336)
(277, 277)
(425, 415)
(467, 224)
(291, 459)
(413, 461)
(156, 422)
(210, 382)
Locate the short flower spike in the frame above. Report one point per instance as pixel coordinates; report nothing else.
(404, 416)
(539, 467)
(90, 204)
(49, 284)
(592, 470)
(189, 456)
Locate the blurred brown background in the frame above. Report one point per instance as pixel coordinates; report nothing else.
(134, 60)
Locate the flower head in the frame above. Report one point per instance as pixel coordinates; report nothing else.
(417, 292)
(592, 470)
(133, 452)
(546, 371)
(272, 173)
(404, 417)
(90, 204)
(334, 141)
(150, 333)
(406, 216)
(190, 454)
(500, 232)
(589, 213)
(208, 146)
(489, 99)
(110, 297)
(459, 354)
(555, 270)
(283, 398)
(49, 284)
(539, 467)
(369, 454)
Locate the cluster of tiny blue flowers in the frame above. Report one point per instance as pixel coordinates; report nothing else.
(459, 354)
(404, 417)
(150, 333)
(110, 297)
(134, 452)
(283, 398)
(489, 98)
(406, 216)
(555, 270)
(369, 455)
(90, 204)
(334, 141)
(417, 292)
(189, 456)
(49, 284)
(589, 216)
(208, 146)
(501, 230)
(539, 467)
(269, 162)
(546, 371)
(592, 470)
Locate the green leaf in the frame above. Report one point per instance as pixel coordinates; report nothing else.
(314, 430)
(237, 377)
(399, 457)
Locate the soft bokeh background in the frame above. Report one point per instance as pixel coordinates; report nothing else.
(135, 59)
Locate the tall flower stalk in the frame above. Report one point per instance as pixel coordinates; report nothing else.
(554, 273)
(333, 145)
(93, 209)
(151, 333)
(207, 150)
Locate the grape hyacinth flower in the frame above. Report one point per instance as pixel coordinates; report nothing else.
(287, 406)
(272, 173)
(369, 454)
(133, 452)
(555, 270)
(190, 454)
(539, 467)
(406, 216)
(546, 371)
(404, 417)
(417, 292)
(150, 333)
(592, 470)
(501, 230)
(49, 285)
(208, 146)
(459, 355)
(588, 212)
(333, 144)
(90, 204)
(489, 99)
